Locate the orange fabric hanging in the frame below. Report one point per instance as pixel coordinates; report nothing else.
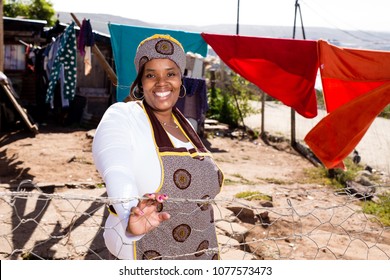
(336, 135)
(286, 69)
(356, 86)
(348, 73)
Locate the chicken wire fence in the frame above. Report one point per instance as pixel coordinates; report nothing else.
(65, 223)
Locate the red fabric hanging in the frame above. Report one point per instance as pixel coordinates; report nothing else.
(356, 86)
(337, 135)
(286, 69)
(348, 73)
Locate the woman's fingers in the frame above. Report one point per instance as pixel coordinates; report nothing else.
(163, 216)
(150, 195)
(156, 196)
(137, 211)
(145, 216)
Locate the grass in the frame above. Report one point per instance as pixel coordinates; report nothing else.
(385, 113)
(253, 195)
(381, 209)
(100, 185)
(336, 177)
(243, 180)
(338, 180)
(276, 181)
(322, 176)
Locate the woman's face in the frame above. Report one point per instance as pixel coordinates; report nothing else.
(161, 83)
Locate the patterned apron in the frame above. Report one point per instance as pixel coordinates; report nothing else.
(187, 175)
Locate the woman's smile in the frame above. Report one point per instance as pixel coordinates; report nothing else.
(163, 94)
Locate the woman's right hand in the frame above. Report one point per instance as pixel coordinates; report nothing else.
(145, 216)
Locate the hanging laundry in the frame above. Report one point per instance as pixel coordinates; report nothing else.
(66, 57)
(125, 40)
(337, 135)
(286, 69)
(85, 42)
(356, 86)
(30, 54)
(348, 73)
(195, 104)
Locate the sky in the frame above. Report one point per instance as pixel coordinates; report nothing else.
(372, 15)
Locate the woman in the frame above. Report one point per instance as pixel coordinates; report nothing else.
(147, 152)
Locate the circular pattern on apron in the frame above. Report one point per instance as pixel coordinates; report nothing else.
(151, 255)
(220, 178)
(204, 245)
(204, 206)
(182, 178)
(181, 232)
(159, 207)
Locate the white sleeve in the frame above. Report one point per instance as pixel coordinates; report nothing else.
(112, 149)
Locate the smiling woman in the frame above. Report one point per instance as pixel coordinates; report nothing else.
(149, 155)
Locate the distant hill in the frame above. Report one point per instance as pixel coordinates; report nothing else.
(345, 38)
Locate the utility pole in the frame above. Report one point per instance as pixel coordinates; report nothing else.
(234, 93)
(238, 18)
(297, 9)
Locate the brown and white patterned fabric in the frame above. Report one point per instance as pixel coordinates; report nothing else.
(188, 176)
(160, 46)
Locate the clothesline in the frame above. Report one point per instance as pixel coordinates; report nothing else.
(356, 84)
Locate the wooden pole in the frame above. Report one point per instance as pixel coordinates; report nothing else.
(103, 62)
(262, 113)
(22, 112)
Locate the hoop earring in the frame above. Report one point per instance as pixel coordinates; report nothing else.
(137, 94)
(184, 90)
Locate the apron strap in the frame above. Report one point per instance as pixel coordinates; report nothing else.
(161, 136)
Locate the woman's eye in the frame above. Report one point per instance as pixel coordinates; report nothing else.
(149, 76)
(171, 74)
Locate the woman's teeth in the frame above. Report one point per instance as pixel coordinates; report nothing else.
(162, 94)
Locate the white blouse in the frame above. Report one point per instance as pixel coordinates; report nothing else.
(125, 155)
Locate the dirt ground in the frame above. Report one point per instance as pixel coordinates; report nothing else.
(63, 155)
(323, 225)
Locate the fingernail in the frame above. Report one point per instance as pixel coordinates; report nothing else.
(165, 196)
(160, 197)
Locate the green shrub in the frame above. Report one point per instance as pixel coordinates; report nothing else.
(230, 103)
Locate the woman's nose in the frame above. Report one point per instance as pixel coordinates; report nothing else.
(161, 80)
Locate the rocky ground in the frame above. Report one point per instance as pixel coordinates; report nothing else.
(301, 221)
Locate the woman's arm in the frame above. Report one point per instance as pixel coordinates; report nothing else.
(112, 150)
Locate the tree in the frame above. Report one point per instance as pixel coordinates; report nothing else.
(31, 9)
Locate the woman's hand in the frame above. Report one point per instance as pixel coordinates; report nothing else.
(145, 216)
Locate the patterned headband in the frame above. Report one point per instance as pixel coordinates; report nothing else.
(160, 46)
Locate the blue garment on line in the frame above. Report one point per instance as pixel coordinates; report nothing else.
(125, 40)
